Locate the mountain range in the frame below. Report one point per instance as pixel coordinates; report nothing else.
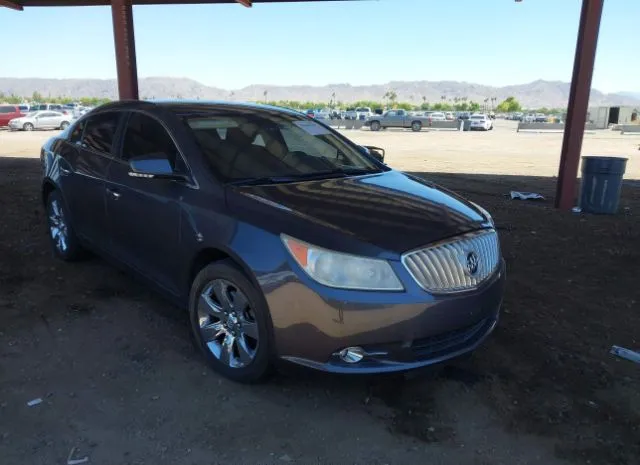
(536, 94)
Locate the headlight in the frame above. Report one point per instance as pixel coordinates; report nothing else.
(336, 269)
(485, 213)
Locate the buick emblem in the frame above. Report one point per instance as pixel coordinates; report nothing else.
(472, 263)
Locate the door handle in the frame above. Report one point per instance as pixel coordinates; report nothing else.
(114, 194)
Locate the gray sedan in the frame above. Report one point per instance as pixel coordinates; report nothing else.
(41, 120)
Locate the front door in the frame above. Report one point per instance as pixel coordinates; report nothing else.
(144, 214)
(85, 159)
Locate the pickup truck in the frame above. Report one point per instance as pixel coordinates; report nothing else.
(397, 119)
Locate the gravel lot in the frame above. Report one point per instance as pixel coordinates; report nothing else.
(121, 381)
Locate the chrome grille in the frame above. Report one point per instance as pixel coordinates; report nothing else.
(459, 264)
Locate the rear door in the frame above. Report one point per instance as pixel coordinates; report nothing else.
(83, 169)
(144, 214)
(48, 120)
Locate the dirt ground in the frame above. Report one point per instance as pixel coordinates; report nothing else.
(121, 381)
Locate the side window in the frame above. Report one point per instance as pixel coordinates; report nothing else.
(100, 131)
(391, 114)
(7, 109)
(146, 136)
(76, 133)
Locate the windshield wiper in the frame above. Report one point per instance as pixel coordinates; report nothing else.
(338, 172)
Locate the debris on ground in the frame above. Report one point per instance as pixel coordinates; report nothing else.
(515, 195)
(34, 402)
(627, 354)
(72, 461)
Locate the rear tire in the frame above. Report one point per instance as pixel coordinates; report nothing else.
(66, 245)
(64, 125)
(375, 125)
(28, 127)
(416, 126)
(230, 318)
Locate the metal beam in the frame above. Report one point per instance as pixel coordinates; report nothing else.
(125, 45)
(578, 102)
(10, 4)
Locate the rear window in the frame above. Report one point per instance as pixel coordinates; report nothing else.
(477, 117)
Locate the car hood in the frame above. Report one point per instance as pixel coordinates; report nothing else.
(390, 210)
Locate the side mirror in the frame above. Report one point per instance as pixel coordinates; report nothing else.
(154, 166)
(376, 152)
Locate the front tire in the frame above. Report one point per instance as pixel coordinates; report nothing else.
(28, 127)
(231, 323)
(64, 241)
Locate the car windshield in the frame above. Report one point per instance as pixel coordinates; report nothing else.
(243, 146)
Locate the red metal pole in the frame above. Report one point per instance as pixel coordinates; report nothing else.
(578, 102)
(124, 41)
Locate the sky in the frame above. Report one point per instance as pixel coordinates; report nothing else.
(491, 42)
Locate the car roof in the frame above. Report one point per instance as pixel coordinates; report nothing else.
(193, 106)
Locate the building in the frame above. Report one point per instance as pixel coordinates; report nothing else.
(603, 117)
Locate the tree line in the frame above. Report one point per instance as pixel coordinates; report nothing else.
(390, 100)
(37, 97)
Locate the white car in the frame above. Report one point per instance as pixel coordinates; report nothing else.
(438, 116)
(482, 122)
(41, 120)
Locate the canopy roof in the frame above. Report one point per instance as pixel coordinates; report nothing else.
(20, 4)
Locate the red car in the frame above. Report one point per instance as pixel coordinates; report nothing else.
(9, 112)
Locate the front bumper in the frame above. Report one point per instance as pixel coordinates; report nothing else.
(398, 331)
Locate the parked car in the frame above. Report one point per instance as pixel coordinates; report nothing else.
(51, 106)
(437, 116)
(481, 122)
(463, 115)
(449, 116)
(361, 113)
(540, 118)
(283, 239)
(396, 119)
(40, 120)
(9, 112)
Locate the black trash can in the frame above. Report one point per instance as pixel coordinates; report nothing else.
(601, 184)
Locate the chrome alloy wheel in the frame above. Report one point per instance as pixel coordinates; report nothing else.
(58, 226)
(227, 323)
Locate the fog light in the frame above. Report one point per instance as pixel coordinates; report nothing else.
(352, 354)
